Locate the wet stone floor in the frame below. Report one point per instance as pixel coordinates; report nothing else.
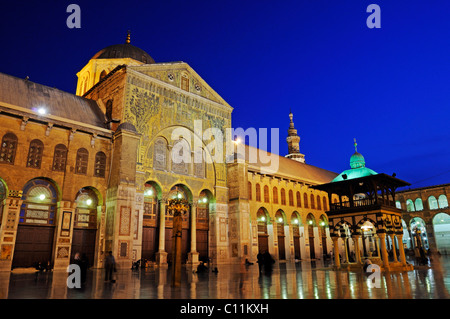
(302, 280)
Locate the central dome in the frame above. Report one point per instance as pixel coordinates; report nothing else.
(125, 50)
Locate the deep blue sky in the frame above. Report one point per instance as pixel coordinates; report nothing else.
(387, 87)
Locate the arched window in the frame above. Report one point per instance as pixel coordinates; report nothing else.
(100, 164)
(443, 203)
(418, 203)
(185, 82)
(258, 193)
(291, 198)
(60, 158)
(160, 154)
(299, 199)
(325, 206)
(305, 200)
(319, 206)
(432, 202)
(275, 195)
(409, 205)
(86, 212)
(249, 189)
(398, 204)
(283, 196)
(81, 162)
(8, 148)
(102, 75)
(313, 206)
(199, 163)
(150, 205)
(181, 157)
(34, 159)
(266, 194)
(39, 203)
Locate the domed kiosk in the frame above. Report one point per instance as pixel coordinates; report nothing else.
(363, 215)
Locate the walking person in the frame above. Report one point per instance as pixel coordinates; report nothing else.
(110, 267)
(260, 261)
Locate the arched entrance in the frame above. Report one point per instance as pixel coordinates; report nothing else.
(85, 224)
(202, 224)
(150, 221)
(419, 233)
(263, 235)
(369, 239)
(296, 222)
(279, 222)
(311, 222)
(323, 225)
(407, 241)
(35, 233)
(181, 192)
(441, 225)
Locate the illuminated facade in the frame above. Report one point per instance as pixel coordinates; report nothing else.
(93, 172)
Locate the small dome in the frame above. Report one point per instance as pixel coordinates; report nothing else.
(357, 160)
(125, 50)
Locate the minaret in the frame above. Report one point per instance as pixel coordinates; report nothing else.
(293, 141)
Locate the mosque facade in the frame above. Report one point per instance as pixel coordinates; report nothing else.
(93, 172)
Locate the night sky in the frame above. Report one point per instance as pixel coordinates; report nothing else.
(388, 87)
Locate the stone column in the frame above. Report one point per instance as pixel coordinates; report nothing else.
(193, 254)
(384, 253)
(394, 250)
(357, 248)
(337, 261)
(161, 255)
(401, 249)
(345, 249)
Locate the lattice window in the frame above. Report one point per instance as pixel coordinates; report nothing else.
(160, 154)
(39, 203)
(181, 157)
(313, 206)
(275, 195)
(266, 194)
(283, 196)
(199, 163)
(8, 148)
(291, 198)
(86, 212)
(81, 163)
(35, 151)
(258, 193)
(100, 164)
(60, 158)
(185, 82)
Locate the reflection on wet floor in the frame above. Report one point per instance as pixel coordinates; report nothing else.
(304, 280)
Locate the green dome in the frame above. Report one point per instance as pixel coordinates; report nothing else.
(354, 173)
(357, 160)
(358, 168)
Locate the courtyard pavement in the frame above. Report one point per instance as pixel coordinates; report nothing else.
(302, 280)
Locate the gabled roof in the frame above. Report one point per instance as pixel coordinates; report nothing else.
(154, 70)
(288, 168)
(31, 95)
